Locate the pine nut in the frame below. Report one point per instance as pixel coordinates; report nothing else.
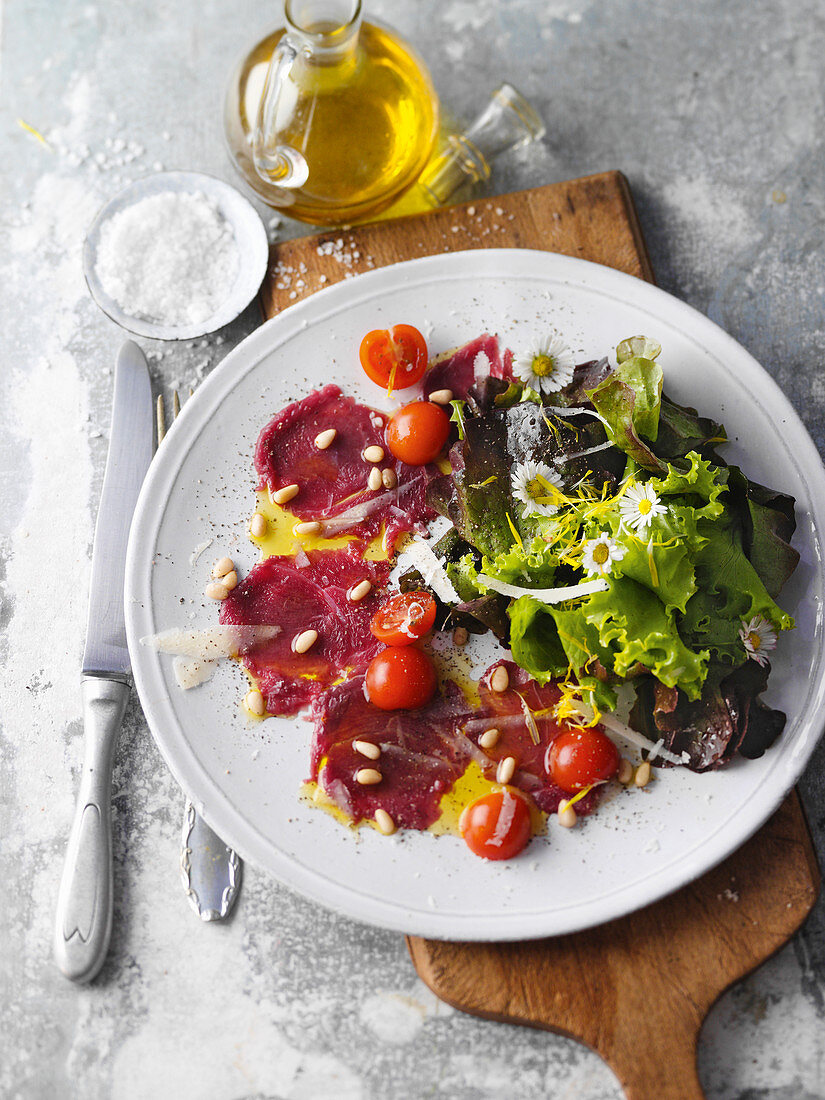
(325, 439)
(642, 777)
(567, 815)
(303, 642)
(358, 591)
(506, 769)
(258, 526)
(230, 581)
(368, 777)
(255, 703)
(500, 680)
(625, 773)
(374, 481)
(489, 738)
(441, 397)
(310, 528)
(368, 749)
(222, 567)
(389, 478)
(284, 495)
(373, 453)
(385, 823)
(460, 635)
(216, 591)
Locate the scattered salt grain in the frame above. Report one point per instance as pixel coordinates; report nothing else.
(171, 258)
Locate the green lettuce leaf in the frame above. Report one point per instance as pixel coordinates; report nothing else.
(767, 522)
(629, 399)
(621, 627)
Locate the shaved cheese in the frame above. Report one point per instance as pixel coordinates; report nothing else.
(529, 720)
(560, 461)
(481, 366)
(545, 595)
(199, 549)
(211, 644)
(348, 519)
(190, 672)
(615, 725)
(575, 410)
(418, 555)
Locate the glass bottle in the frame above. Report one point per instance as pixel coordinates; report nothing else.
(330, 119)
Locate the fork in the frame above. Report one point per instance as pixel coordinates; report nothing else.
(210, 870)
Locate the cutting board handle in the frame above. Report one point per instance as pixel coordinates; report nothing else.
(660, 1067)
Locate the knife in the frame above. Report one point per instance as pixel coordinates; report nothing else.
(84, 906)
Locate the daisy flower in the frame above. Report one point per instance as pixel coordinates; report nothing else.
(548, 368)
(534, 484)
(639, 505)
(599, 554)
(759, 638)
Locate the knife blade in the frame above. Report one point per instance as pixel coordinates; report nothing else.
(84, 908)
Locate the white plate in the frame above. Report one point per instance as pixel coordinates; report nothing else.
(244, 778)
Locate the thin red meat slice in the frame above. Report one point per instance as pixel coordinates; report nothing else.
(307, 592)
(505, 711)
(286, 453)
(467, 365)
(422, 753)
(333, 482)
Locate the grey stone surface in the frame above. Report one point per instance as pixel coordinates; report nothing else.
(713, 110)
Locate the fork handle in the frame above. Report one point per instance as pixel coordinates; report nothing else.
(84, 907)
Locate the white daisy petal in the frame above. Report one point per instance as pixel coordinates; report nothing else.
(600, 553)
(548, 367)
(759, 638)
(532, 484)
(639, 506)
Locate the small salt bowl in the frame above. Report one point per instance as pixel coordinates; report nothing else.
(249, 237)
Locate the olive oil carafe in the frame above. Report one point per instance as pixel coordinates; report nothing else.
(330, 118)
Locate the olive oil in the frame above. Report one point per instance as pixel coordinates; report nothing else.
(361, 118)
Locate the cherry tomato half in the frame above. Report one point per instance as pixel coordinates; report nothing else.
(417, 432)
(395, 358)
(404, 618)
(497, 825)
(400, 678)
(579, 757)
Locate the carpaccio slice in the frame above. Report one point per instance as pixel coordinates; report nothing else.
(506, 711)
(333, 482)
(470, 363)
(424, 751)
(307, 592)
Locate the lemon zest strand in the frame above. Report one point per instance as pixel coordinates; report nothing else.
(516, 535)
(35, 133)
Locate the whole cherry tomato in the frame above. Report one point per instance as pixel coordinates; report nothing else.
(579, 757)
(497, 825)
(404, 618)
(395, 357)
(400, 678)
(417, 432)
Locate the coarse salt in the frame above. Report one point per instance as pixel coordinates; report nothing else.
(170, 258)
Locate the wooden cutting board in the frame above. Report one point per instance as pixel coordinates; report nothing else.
(636, 990)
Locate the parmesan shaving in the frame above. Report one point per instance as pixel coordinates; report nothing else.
(575, 410)
(190, 672)
(211, 644)
(560, 461)
(545, 595)
(615, 725)
(199, 549)
(418, 555)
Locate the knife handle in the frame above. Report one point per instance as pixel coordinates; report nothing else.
(84, 906)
